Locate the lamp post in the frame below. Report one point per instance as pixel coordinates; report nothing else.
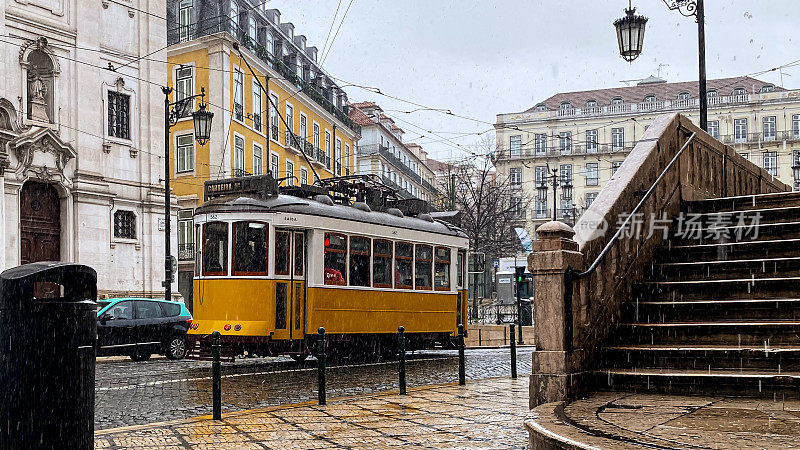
(796, 174)
(555, 179)
(202, 132)
(630, 37)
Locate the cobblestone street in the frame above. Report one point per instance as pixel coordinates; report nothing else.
(482, 414)
(129, 393)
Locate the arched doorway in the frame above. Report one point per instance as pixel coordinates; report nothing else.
(40, 219)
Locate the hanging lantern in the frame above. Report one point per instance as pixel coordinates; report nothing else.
(541, 192)
(630, 34)
(566, 190)
(202, 124)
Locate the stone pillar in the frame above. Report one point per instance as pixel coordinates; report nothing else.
(556, 371)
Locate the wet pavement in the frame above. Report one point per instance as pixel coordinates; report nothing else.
(482, 414)
(129, 393)
(625, 420)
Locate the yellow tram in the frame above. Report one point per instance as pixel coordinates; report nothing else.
(275, 264)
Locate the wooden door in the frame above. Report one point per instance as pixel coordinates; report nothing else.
(40, 220)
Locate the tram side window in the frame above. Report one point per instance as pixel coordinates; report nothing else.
(359, 261)
(282, 239)
(460, 270)
(335, 259)
(422, 267)
(215, 248)
(403, 261)
(382, 263)
(441, 269)
(249, 248)
(198, 254)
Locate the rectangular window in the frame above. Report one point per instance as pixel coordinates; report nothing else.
(403, 260)
(215, 248)
(184, 89)
(303, 128)
(617, 138)
(771, 163)
(274, 166)
(713, 128)
(740, 130)
(289, 173)
(299, 253)
(441, 269)
(185, 20)
(234, 17)
(592, 174)
(541, 207)
(590, 197)
(796, 126)
(359, 261)
(185, 235)
(250, 248)
(515, 177)
(289, 123)
(335, 259)
(540, 144)
(566, 173)
(565, 142)
(515, 145)
(273, 118)
(422, 267)
(745, 155)
(381, 263)
(769, 128)
(119, 115)
(238, 94)
(328, 149)
(282, 250)
(257, 160)
(257, 107)
(347, 159)
(338, 156)
(303, 175)
(281, 295)
(185, 159)
(316, 139)
(251, 29)
(591, 141)
(238, 156)
(614, 166)
(124, 224)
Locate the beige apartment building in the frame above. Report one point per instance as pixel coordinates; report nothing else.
(586, 135)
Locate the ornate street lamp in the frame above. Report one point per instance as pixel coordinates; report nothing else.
(541, 191)
(630, 34)
(796, 174)
(566, 189)
(202, 133)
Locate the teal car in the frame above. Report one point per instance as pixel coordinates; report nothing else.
(140, 327)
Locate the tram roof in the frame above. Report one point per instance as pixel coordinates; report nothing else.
(296, 205)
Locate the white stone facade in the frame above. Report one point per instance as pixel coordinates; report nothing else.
(67, 64)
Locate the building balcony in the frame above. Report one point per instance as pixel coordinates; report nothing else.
(186, 252)
(556, 152)
(400, 191)
(760, 137)
(384, 151)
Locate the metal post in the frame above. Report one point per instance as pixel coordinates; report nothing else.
(216, 383)
(513, 353)
(519, 311)
(401, 349)
(462, 376)
(167, 250)
(555, 188)
(701, 50)
(321, 365)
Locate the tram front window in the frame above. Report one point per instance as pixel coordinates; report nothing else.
(335, 259)
(249, 248)
(215, 248)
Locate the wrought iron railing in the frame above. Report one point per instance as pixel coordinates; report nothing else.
(186, 252)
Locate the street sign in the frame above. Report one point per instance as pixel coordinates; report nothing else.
(162, 224)
(496, 263)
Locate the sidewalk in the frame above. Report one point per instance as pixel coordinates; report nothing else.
(482, 414)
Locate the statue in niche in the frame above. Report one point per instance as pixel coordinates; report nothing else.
(40, 84)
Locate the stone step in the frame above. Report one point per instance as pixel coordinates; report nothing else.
(747, 202)
(711, 310)
(757, 383)
(764, 286)
(763, 248)
(749, 232)
(764, 215)
(726, 268)
(779, 359)
(738, 333)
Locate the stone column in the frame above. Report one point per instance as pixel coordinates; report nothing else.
(555, 371)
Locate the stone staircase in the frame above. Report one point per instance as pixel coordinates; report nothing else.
(719, 314)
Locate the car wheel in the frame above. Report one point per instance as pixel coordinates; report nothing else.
(140, 356)
(176, 347)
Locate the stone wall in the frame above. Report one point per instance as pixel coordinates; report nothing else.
(575, 318)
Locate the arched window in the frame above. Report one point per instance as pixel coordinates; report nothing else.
(566, 105)
(738, 91)
(767, 88)
(270, 44)
(684, 96)
(616, 101)
(541, 107)
(711, 93)
(591, 103)
(650, 98)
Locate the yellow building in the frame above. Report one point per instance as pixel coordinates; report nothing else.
(309, 133)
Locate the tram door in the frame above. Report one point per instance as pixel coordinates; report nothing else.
(290, 286)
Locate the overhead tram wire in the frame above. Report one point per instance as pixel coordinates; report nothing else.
(333, 21)
(330, 46)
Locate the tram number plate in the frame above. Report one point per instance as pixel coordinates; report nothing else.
(212, 216)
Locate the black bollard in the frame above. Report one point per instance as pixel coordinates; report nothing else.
(321, 365)
(216, 382)
(462, 375)
(513, 353)
(401, 349)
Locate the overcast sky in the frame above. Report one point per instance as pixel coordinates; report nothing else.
(479, 59)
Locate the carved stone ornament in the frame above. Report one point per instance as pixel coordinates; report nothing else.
(42, 155)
